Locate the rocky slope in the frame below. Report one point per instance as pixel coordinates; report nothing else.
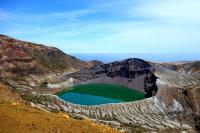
(24, 65)
(145, 115)
(16, 116)
(180, 82)
(19, 59)
(189, 67)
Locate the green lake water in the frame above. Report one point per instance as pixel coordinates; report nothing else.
(95, 94)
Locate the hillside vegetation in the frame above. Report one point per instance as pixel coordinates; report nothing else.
(16, 116)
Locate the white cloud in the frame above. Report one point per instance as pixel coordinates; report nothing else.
(134, 26)
(180, 10)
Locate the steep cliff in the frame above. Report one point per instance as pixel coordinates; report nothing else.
(179, 82)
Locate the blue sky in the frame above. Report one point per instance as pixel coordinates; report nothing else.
(105, 26)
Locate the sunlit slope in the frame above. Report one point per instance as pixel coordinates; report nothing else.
(16, 117)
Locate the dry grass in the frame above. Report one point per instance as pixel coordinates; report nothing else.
(16, 117)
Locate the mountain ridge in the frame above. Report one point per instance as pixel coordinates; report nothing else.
(20, 58)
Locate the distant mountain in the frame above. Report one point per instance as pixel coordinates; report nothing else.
(20, 58)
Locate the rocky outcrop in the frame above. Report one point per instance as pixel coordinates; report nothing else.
(133, 73)
(148, 114)
(189, 67)
(184, 87)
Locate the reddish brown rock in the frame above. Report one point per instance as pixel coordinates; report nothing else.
(20, 58)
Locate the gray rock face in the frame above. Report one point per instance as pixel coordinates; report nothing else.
(133, 73)
(183, 86)
(148, 114)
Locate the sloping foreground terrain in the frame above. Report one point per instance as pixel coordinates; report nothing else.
(172, 90)
(17, 117)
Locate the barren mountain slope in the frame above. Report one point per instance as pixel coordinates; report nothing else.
(179, 89)
(19, 59)
(16, 116)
